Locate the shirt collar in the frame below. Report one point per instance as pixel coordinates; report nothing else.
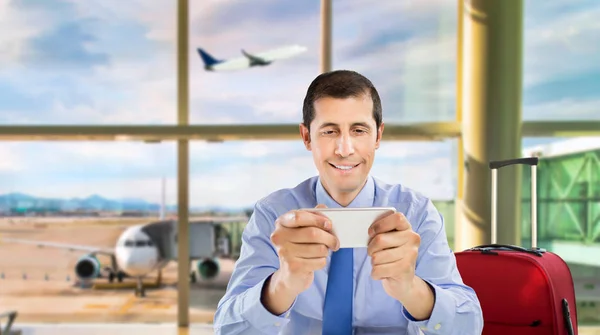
(365, 197)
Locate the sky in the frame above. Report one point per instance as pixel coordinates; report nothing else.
(114, 62)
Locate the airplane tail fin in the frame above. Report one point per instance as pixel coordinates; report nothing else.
(207, 58)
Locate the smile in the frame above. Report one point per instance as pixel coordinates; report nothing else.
(344, 167)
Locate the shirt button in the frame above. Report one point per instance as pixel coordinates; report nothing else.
(423, 328)
(438, 326)
(277, 324)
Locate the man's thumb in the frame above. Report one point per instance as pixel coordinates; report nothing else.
(321, 206)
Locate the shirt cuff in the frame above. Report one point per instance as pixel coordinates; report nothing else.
(442, 315)
(253, 310)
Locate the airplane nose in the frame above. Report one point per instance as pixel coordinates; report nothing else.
(132, 265)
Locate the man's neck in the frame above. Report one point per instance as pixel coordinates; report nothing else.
(344, 198)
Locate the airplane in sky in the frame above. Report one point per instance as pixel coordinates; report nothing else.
(248, 60)
(145, 248)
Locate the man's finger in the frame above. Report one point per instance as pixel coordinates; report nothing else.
(382, 271)
(386, 256)
(306, 250)
(396, 221)
(314, 235)
(387, 240)
(297, 218)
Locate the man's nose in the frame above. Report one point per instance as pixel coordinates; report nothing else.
(345, 147)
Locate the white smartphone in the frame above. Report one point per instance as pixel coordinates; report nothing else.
(351, 225)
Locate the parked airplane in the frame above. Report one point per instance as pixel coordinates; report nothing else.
(143, 249)
(249, 60)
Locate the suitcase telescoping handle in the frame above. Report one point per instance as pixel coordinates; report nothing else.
(494, 166)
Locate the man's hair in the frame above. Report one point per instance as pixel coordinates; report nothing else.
(339, 84)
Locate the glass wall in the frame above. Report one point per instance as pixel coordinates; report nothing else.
(560, 79)
(408, 50)
(560, 68)
(261, 94)
(72, 62)
(65, 208)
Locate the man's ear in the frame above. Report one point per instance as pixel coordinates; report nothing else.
(305, 133)
(379, 136)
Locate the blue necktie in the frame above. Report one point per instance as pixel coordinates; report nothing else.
(337, 312)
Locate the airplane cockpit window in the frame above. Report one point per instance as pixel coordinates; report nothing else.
(138, 243)
(144, 243)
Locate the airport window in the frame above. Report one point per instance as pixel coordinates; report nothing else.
(80, 194)
(259, 94)
(560, 67)
(411, 61)
(113, 68)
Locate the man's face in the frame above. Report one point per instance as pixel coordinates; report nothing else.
(343, 138)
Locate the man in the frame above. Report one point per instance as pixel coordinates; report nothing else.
(292, 278)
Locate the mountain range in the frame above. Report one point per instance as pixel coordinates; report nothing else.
(23, 202)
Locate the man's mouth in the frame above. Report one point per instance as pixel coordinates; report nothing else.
(344, 167)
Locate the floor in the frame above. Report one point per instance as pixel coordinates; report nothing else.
(115, 328)
(152, 329)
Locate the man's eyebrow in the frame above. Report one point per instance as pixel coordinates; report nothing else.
(361, 124)
(329, 124)
(355, 124)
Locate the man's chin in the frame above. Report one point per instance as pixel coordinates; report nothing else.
(347, 186)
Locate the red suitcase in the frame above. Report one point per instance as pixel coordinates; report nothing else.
(521, 291)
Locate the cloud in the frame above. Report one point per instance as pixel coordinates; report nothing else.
(64, 47)
(560, 58)
(554, 110)
(16, 31)
(11, 161)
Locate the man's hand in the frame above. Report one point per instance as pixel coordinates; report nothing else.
(394, 247)
(302, 240)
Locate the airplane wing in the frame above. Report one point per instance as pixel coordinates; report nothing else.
(70, 247)
(280, 53)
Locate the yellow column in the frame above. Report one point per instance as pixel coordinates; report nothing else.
(183, 240)
(326, 17)
(492, 37)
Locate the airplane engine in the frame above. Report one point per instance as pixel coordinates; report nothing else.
(87, 267)
(208, 268)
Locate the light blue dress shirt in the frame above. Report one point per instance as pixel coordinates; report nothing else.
(240, 311)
